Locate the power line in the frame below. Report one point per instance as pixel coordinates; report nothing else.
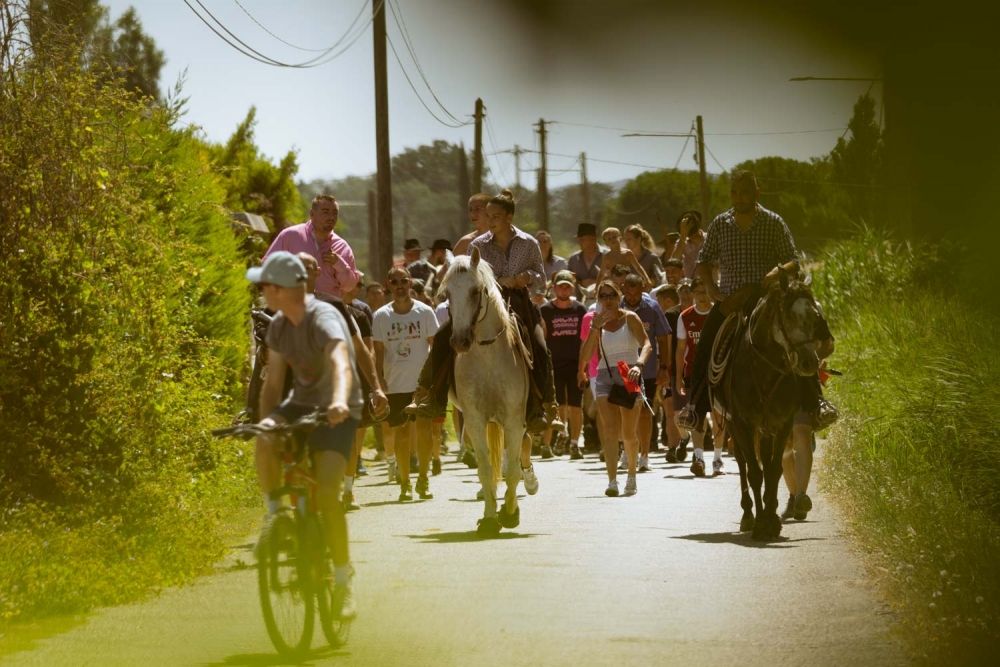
(253, 54)
(414, 88)
(401, 24)
(493, 143)
(605, 127)
(264, 28)
(571, 167)
(724, 170)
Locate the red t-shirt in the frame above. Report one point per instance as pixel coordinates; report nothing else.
(693, 322)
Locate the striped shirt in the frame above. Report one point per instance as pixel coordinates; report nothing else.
(522, 255)
(745, 257)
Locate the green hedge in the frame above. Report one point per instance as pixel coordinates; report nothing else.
(124, 334)
(916, 458)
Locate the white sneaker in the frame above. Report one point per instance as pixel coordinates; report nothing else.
(530, 480)
(393, 473)
(630, 487)
(612, 490)
(623, 462)
(717, 468)
(643, 464)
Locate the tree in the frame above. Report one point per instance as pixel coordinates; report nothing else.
(655, 199)
(121, 49)
(857, 162)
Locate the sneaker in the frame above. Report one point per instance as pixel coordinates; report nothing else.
(802, 506)
(682, 452)
(574, 453)
(789, 509)
(643, 465)
(393, 473)
(348, 502)
(687, 418)
(530, 480)
(622, 461)
(717, 468)
(546, 452)
(630, 487)
(436, 467)
(469, 458)
(420, 402)
(361, 470)
(671, 456)
(697, 467)
(424, 489)
(444, 441)
(343, 607)
(612, 490)
(405, 492)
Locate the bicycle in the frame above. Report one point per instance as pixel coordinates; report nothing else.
(260, 320)
(293, 561)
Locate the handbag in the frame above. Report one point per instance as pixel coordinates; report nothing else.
(618, 395)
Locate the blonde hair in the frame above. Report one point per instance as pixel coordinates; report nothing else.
(610, 230)
(645, 238)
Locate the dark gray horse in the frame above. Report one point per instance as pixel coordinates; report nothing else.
(759, 393)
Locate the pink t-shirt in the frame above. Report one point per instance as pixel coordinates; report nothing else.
(584, 332)
(301, 238)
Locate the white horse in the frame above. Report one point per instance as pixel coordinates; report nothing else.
(491, 382)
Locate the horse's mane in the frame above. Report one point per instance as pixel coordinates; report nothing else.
(483, 273)
(776, 298)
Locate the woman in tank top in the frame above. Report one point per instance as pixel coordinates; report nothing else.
(621, 336)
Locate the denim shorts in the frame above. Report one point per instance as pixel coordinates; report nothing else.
(323, 438)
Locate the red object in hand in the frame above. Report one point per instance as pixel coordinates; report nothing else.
(624, 368)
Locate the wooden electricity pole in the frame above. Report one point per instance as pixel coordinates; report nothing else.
(584, 187)
(705, 197)
(517, 167)
(543, 181)
(382, 159)
(477, 159)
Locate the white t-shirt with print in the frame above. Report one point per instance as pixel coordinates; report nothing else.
(405, 340)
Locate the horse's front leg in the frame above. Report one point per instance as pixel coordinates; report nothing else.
(475, 429)
(747, 521)
(772, 479)
(755, 477)
(510, 514)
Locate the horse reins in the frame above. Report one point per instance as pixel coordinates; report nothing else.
(476, 319)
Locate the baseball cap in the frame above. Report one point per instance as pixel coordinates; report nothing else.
(563, 277)
(280, 268)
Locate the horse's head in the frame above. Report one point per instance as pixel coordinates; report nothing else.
(468, 285)
(795, 317)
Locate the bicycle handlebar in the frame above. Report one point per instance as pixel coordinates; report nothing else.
(248, 430)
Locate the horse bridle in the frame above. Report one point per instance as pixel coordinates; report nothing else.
(476, 319)
(784, 333)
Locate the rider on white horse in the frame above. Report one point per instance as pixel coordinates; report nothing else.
(516, 261)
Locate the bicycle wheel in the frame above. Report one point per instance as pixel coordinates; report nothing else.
(284, 580)
(335, 631)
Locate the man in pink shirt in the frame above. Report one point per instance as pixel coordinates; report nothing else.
(338, 272)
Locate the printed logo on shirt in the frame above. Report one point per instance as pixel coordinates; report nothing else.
(404, 330)
(565, 326)
(404, 350)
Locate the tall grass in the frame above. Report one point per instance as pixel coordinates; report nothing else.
(916, 458)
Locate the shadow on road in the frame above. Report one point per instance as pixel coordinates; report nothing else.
(273, 659)
(468, 536)
(743, 540)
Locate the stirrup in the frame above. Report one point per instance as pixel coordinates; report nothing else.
(421, 402)
(687, 418)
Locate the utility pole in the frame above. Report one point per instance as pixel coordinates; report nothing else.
(375, 267)
(543, 181)
(584, 187)
(517, 166)
(477, 159)
(705, 198)
(382, 159)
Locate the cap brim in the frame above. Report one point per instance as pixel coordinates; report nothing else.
(254, 274)
(565, 282)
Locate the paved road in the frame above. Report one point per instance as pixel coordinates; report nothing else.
(585, 580)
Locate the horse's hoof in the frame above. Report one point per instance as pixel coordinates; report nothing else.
(509, 520)
(774, 526)
(760, 534)
(747, 523)
(488, 527)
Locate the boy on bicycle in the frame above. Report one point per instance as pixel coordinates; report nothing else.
(311, 337)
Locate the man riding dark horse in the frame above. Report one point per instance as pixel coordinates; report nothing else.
(516, 261)
(753, 247)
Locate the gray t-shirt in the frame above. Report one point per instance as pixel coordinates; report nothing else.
(303, 346)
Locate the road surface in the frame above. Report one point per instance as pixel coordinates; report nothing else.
(661, 578)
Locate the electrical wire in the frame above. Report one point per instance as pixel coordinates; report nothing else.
(414, 88)
(570, 168)
(253, 54)
(264, 28)
(401, 24)
(683, 148)
(493, 143)
(724, 170)
(605, 127)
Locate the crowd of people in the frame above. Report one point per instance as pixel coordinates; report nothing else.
(616, 332)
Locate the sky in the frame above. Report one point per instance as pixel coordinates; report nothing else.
(632, 64)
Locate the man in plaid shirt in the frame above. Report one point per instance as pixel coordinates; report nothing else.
(749, 242)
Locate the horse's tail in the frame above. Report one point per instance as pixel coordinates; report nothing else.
(495, 442)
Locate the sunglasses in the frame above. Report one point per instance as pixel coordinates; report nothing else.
(400, 281)
(604, 296)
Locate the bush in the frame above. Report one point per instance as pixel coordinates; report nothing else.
(916, 458)
(125, 340)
